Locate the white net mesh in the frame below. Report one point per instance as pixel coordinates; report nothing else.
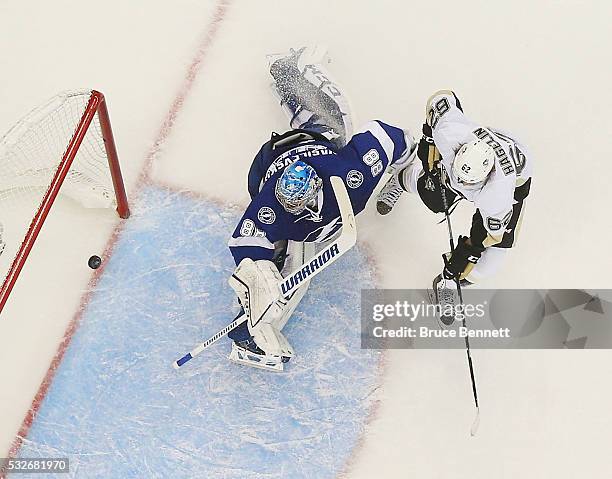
(30, 154)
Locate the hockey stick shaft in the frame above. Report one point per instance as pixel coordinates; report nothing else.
(293, 281)
(460, 293)
(202, 346)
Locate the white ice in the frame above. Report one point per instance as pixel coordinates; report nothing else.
(539, 69)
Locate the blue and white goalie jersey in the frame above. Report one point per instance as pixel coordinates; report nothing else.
(360, 164)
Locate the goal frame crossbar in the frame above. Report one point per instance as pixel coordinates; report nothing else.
(95, 105)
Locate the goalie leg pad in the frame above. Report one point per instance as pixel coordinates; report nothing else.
(272, 341)
(256, 285)
(308, 94)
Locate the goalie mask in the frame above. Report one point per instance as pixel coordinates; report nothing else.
(473, 162)
(298, 185)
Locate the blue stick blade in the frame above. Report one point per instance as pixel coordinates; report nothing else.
(183, 360)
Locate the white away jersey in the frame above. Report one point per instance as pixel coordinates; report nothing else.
(452, 129)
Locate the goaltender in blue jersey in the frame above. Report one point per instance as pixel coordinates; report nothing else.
(307, 160)
(293, 205)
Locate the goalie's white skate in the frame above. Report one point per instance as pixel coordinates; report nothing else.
(256, 358)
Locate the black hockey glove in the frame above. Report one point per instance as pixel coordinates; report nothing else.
(462, 255)
(427, 151)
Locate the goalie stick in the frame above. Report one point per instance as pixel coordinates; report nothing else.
(328, 255)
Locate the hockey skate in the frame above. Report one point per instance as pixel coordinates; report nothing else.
(444, 294)
(248, 353)
(391, 192)
(388, 196)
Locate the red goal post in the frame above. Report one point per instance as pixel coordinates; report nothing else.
(25, 154)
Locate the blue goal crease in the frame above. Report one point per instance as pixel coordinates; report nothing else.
(117, 408)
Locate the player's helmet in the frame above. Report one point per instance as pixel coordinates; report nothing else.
(473, 162)
(297, 186)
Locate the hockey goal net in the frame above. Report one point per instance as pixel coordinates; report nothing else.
(64, 147)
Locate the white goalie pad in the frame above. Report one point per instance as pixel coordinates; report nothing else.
(256, 285)
(306, 89)
(269, 337)
(272, 341)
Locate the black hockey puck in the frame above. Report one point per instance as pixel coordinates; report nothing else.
(94, 262)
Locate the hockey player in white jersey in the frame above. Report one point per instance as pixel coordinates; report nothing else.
(293, 205)
(485, 166)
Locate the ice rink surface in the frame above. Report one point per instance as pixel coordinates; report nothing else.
(118, 409)
(187, 88)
